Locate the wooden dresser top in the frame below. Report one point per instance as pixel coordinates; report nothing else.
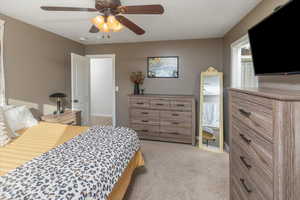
(162, 96)
(271, 93)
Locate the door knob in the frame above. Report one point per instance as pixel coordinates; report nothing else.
(76, 101)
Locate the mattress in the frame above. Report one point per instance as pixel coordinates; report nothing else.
(41, 138)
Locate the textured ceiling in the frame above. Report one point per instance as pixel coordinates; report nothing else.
(183, 19)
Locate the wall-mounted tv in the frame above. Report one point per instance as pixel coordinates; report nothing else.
(275, 42)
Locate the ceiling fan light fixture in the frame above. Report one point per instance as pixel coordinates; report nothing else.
(118, 27)
(98, 21)
(107, 24)
(105, 28)
(111, 20)
(114, 24)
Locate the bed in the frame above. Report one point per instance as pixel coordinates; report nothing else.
(37, 140)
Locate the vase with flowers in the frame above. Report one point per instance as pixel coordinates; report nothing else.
(137, 78)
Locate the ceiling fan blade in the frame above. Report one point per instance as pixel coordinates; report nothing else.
(94, 29)
(146, 9)
(53, 8)
(130, 25)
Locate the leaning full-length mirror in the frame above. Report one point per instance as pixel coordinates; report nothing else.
(211, 110)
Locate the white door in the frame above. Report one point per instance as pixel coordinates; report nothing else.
(80, 75)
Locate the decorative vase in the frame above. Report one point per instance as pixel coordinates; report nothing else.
(136, 89)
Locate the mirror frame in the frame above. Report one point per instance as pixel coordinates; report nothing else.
(211, 71)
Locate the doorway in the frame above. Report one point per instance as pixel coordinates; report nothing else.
(93, 89)
(102, 84)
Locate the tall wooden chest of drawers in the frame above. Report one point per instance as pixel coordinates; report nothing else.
(163, 118)
(264, 144)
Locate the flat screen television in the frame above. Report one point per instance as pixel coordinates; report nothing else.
(275, 42)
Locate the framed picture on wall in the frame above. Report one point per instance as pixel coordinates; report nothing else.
(163, 67)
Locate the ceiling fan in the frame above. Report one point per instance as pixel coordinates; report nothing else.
(111, 18)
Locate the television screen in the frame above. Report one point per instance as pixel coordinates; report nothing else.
(275, 42)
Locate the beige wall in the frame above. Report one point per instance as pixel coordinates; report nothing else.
(264, 9)
(194, 56)
(35, 61)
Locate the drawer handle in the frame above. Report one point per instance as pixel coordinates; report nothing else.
(248, 141)
(174, 133)
(245, 113)
(175, 123)
(243, 159)
(245, 186)
(159, 104)
(145, 131)
(145, 113)
(180, 105)
(175, 115)
(140, 103)
(145, 121)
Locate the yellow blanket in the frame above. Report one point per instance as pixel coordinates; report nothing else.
(41, 138)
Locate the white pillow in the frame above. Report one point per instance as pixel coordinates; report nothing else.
(5, 132)
(7, 107)
(19, 117)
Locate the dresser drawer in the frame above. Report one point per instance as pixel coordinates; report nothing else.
(181, 105)
(236, 192)
(160, 104)
(175, 131)
(175, 115)
(60, 118)
(175, 123)
(69, 122)
(258, 148)
(145, 121)
(242, 189)
(68, 118)
(139, 103)
(243, 185)
(146, 129)
(259, 177)
(254, 112)
(144, 113)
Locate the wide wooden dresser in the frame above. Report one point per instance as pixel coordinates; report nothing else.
(264, 144)
(163, 117)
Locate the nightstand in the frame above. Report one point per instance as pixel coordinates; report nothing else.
(69, 117)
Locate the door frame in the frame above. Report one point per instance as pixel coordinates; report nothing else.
(2, 77)
(113, 57)
(235, 56)
(72, 89)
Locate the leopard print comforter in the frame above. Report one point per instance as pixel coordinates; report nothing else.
(84, 168)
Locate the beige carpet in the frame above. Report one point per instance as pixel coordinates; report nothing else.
(180, 172)
(102, 121)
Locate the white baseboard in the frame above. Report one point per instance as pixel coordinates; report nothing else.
(101, 115)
